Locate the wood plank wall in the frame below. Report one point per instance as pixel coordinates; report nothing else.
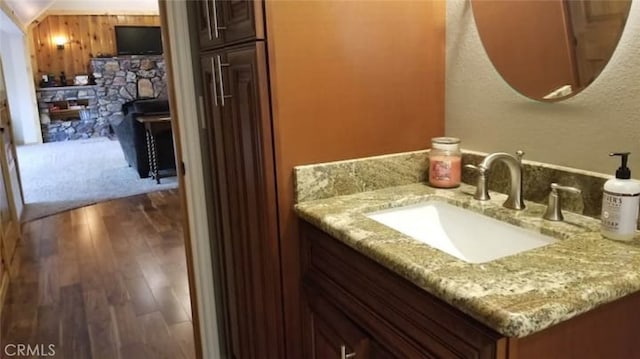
(87, 36)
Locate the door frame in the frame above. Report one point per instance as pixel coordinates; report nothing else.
(187, 134)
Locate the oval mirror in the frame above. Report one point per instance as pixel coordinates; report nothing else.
(549, 50)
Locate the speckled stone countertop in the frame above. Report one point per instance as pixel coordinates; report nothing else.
(516, 295)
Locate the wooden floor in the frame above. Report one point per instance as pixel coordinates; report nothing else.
(104, 281)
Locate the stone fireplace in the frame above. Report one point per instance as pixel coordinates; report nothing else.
(78, 112)
(123, 79)
(69, 113)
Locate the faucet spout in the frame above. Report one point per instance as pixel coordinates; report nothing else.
(515, 199)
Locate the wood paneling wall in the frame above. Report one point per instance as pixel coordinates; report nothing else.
(87, 36)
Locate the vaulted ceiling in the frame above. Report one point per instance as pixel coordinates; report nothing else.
(29, 10)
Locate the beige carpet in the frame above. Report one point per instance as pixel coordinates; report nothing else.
(59, 176)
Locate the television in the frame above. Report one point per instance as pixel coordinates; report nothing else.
(138, 40)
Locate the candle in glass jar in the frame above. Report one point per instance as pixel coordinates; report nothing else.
(445, 162)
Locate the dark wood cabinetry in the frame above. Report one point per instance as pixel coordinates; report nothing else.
(397, 318)
(233, 66)
(238, 125)
(308, 109)
(226, 22)
(333, 334)
(373, 310)
(239, 130)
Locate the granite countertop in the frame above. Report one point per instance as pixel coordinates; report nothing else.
(516, 295)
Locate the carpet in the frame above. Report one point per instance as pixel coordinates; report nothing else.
(59, 176)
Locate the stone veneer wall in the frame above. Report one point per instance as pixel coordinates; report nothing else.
(123, 79)
(86, 126)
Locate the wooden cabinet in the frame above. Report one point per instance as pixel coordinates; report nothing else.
(227, 22)
(333, 334)
(208, 33)
(268, 124)
(400, 319)
(239, 129)
(239, 136)
(384, 316)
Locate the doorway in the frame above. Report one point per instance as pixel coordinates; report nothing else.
(94, 271)
(92, 93)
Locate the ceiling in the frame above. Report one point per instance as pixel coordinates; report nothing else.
(29, 10)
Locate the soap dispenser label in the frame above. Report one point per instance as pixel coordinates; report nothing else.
(615, 207)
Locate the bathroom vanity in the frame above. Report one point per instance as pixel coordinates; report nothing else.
(374, 292)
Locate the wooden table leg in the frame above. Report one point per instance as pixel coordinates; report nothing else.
(154, 159)
(151, 155)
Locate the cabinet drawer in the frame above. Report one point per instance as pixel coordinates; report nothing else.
(390, 307)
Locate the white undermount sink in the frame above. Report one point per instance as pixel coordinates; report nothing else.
(464, 234)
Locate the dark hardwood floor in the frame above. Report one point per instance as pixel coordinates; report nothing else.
(105, 281)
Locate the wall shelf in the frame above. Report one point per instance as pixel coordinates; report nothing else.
(71, 109)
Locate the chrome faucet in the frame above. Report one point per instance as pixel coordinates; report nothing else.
(514, 163)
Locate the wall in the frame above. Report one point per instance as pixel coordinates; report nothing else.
(20, 88)
(579, 132)
(88, 36)
(349, 79)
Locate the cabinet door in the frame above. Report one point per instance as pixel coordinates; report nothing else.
(402, 320)
(333, 335)
(242, 163)
(227, 22)
(377, 351)
(218, 221)
(209, 29)
(240, 19)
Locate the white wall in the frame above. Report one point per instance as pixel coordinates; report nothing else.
(488, 115)
(20, 87)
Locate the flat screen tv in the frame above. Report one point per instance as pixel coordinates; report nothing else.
(138, 40)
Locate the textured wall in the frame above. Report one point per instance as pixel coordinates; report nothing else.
(488, 115)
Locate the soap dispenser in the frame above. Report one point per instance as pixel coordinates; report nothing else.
(620, 203)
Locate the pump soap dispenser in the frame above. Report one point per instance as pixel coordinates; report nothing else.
(620, 202)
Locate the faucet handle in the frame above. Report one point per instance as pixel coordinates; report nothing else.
(482, 194)
(479, 169)
(556, 187)
(520, 154)
(554, 209)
